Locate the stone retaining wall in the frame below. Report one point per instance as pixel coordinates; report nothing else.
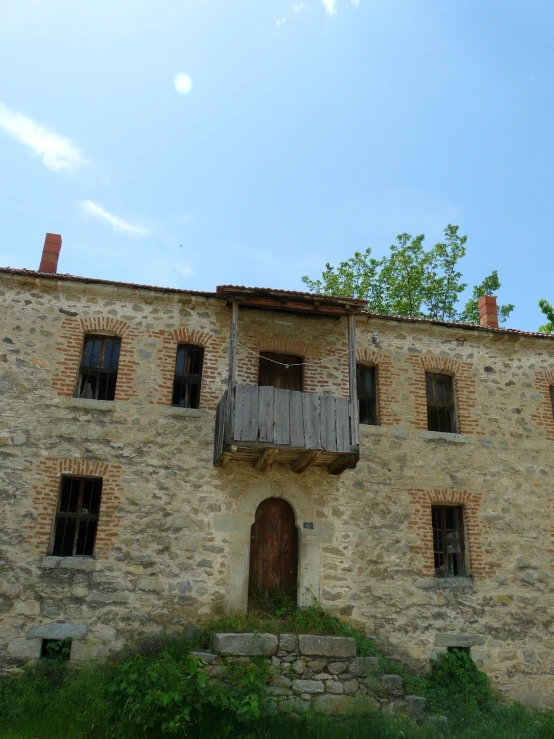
(319, 672)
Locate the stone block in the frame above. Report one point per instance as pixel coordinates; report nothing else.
(327, 646)
(351, 686)
(458, 640)
(335, 668)
(363, 666)
(206, 657)
(277, 690)
(288, 642)
(252, 645)
(67, 630)
(299, 666)
(25, 648)
(344, 705)
(28, 608)
(280, 681)
(337, 688)
(317, 665)
(416, 705)
(389, 685)
(308, 686)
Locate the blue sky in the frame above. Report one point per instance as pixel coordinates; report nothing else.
(312, 129)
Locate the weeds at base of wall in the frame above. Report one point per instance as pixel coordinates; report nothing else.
(164, 693)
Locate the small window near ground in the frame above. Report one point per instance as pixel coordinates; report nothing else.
(448, 541)
(99, 364)
(366, 382)
(441, 404)
(188, 376)
(77, 516)
(56, 649)
(467, 650)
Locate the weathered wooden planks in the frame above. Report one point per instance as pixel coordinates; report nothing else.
(265, 414)
(342, 424)
(281, 412)
(311, 418)
(328, 423)
(249, 413)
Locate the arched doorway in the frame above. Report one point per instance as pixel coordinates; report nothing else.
(273, 552)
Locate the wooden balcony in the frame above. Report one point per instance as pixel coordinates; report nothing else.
(264, 425)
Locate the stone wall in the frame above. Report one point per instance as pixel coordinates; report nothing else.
(174, 530)
(318, 672)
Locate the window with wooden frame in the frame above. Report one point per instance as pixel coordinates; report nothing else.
(188, 376)
(77, 516)
(99, 365)
(441, 403)
(366, 382)
(448, 541)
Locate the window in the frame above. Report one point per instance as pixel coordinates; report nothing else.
(366, 381)
(188, 376)
(280, 370)
(441, 406)
(98, 374)
(77, 516)
(448, 540)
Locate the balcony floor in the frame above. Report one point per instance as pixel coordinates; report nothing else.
(263, 457)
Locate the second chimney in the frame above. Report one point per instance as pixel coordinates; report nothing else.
(488, 312)
(50, 253)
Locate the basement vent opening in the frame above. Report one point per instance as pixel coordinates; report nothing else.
(56, 649)
(467, 650)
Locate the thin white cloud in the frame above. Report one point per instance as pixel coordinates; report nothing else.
(298, 8)
(280, 22)
(57, 152)
(355, 2)
(330, 6)
(97, 211)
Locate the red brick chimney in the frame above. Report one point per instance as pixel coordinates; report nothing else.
(488, 312)
(50, 253)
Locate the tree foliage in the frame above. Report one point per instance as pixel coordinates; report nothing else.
(410, 280)
(548, 310)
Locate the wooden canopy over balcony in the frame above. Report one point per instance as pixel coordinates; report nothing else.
(267, 424)
(264, 425)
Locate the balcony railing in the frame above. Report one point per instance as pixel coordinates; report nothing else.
(265, 425)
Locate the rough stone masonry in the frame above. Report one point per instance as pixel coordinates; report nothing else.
(173, 542)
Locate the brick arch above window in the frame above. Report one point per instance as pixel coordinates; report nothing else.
(421, 524)
(70, 347)
(465, 386)
(192, 336)
(46, 493)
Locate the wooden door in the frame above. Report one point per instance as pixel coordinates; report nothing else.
(274, 551)
(279, 375)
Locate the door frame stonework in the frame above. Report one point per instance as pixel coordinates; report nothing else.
(237, 526)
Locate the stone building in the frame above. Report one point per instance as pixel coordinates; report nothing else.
(165, 452)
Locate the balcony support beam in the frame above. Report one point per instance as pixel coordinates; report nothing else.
(266, 459)
(346, 462)
(305, 461)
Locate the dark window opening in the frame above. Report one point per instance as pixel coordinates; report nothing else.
(448, 541)
(77, 517)
(283, 371)
(188, 376)
(58, 649)
(467, 650)
(98, 373)
(441, 406)
(366, 381)
(552, 398)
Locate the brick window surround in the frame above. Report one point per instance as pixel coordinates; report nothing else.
(544, 417)
(387, 387)
(70, 349)
(465, 388)
(478, 559)
(46, 493)
(213, 369)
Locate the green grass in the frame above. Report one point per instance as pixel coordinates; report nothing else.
(148, 694)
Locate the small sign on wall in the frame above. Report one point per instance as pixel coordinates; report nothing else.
(308, 525)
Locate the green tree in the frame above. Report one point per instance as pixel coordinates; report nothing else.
(548, 311)
(410, 280)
